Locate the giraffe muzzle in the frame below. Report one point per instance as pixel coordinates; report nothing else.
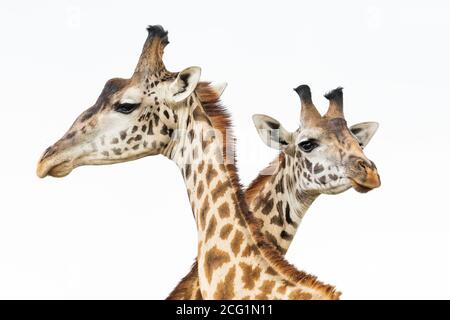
(366, 177)
(54, 162)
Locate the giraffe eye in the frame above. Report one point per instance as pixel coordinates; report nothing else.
(126, 108)
(308, 145)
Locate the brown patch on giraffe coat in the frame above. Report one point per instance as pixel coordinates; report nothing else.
(318, 168)
(249, 250)
(237, 242)
(224, 210)
(272, 239)
(220, 189)
(164, 130)
(212, 224)
(299, 295)
(308, 165)
(277, 220)
(225, 288)
(279, 187)
(271, 271)
(203, 213)
(214, 259)
(267, 207)
(187, 171)
(200, 190)
(201, 166)
(225, 231)
(195, 178)
(333, 177)
(195, 153)
(282, 288)
(156, 118)
(323, 179)
(211, 173)
(286, 236)
(150, 128)
(260, 201)
(288, 216)
(250, 275)
(261, 222)
(191, 135)
(265, 290)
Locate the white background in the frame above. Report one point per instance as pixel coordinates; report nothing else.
(126, 231)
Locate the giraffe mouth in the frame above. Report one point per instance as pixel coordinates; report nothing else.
(361, 188)
(58, 171)
(61, 170)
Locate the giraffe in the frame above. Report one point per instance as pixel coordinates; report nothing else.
(157, 112)
(321, 157)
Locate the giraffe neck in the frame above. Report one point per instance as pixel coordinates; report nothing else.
(231, 260)
(215, 205)
(279, 201)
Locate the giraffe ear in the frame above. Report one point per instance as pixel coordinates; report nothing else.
(272, 132)
(364, 132)
(185, 83)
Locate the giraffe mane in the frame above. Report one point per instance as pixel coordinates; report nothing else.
(221, 120)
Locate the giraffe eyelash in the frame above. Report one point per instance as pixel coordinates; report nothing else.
(308, 145)
(126, 108)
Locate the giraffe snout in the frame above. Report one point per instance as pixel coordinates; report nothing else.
(53, 162)
(364, 176)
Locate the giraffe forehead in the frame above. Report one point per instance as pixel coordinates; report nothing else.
(331, 131)
(111, 87)
(132, 95)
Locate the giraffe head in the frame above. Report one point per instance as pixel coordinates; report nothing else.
(326, 156)
(131, 118)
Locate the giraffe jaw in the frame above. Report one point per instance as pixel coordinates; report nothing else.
(61, 168)
(336, 190)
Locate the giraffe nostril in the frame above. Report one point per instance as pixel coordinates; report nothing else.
(364, 165)
(48, 152)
